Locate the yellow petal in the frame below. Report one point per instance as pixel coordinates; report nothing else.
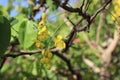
(43, 51)
(49, 55)
(113, 16)
(60, 44)
(42, 36)
(47, 61)
(39, 45)
(41, 24)
(42, 30)
(59, 37)
(43, 16)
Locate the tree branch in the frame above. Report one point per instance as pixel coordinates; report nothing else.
(91, 65)
(85, 27)
(66, 21)
(54, 51)
(99, 27)
(114, 43)
(87, 39)
(100, 9)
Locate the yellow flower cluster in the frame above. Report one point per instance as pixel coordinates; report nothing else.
(43, 32)
(116, 11)
(59, 43)
(116, 14)
(43, 35)
(38, 44)
(46, 57)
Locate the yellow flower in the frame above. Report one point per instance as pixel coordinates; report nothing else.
(117, 10)
(114, 16)
(59, 42)
(43, 17)
(43, 31)
(43, 51)
(42, 34)
(41, 24)
(45, 60)
(47, 53)
(59, 37)
(116, 2)
(42, 37)
(39, 45)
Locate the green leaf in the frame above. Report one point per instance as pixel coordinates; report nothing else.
(1, 19)
(13, 21)
(5, 33)
(51, 6)
(27, 33)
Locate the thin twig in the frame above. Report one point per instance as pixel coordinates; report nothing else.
(100, 9)
(99, 28)
(85, 27)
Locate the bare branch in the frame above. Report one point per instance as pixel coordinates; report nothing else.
(87, 39)
(66, 7)
(67, 22)
(65, 2)
(99, 27)
(85, 27)
(100, 9)
(72, 35)
(107, 57)
(54, 51)
(114, 43)
(70, 9)
(100, 49)
(91, 65)
(81, 7)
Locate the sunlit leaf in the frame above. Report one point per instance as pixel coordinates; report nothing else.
(27, 33)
